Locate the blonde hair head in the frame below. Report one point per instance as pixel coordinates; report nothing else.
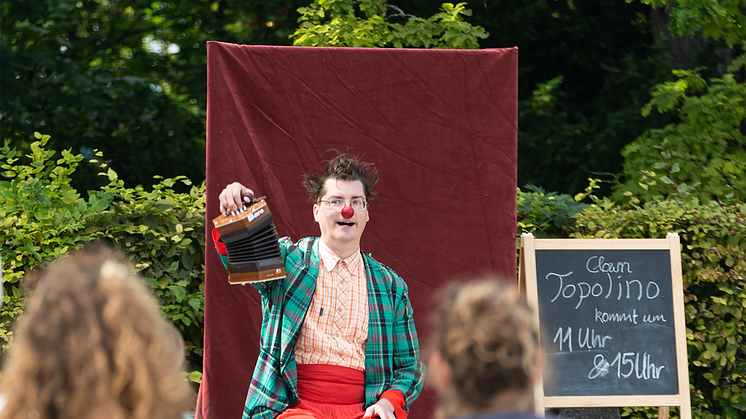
(92, 343)
(488, 338)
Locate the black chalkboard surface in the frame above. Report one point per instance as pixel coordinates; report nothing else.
(607, 320)
(611, 317)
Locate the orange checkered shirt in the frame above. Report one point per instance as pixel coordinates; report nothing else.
(336, 325)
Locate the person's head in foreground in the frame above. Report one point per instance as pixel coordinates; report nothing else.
(92, 344)
(486, 353)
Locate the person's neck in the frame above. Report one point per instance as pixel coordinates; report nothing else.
(508, 401)
(342, 251)
(514, 400)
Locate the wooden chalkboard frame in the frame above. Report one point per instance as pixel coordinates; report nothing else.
(527, 283)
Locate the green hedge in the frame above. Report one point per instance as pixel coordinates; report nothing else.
(713, 257)
(42, 217)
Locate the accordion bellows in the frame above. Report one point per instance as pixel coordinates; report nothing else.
(250, 239)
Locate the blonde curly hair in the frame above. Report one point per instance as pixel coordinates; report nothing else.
(92, 344)
(487, 336)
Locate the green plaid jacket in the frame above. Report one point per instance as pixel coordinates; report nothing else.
(392, 354)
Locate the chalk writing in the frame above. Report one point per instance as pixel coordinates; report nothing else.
(596, 264)
(626, 364)
(604, 317)
(608, 319)
(628, 289)
(650, 318)
(587, 339)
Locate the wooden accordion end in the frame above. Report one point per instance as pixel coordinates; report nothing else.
(250, 239)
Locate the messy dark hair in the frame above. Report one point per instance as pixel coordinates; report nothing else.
(342, 167)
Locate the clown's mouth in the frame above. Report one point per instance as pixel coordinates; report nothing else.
(345, 223)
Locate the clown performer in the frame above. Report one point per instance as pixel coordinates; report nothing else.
(354, 351)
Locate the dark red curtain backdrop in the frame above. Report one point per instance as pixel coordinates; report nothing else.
(441, 127)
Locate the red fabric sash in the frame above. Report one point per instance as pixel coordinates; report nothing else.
(309, 410)
(331, 384)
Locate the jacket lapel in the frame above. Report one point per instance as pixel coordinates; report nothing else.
(300, 288)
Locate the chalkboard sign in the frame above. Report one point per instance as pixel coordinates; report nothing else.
(611, 317)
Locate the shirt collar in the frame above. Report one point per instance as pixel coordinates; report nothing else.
(330, 259)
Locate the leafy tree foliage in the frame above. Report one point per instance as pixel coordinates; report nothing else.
(719, 20)
(126, 77)
(583, 85)
(585, 71)
(371, 23)
(703, 154)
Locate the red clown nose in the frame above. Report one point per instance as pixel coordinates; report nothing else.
(348, 212)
